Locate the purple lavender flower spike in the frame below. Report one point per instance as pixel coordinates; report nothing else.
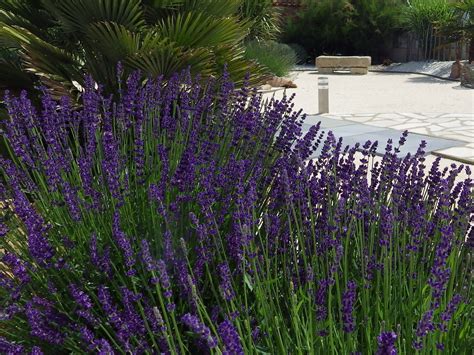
(425, 326)
(72, 201)
(386, 226)
(446, 316)
(321, 300)
(9, 348)
(38, 245)
(226, 288)
(231, 339)
(197, 327)
(111, 164)
(88, 337)
(386, 343)
(124, 244)
(147, 258)
(440, 273)
(102, 263)
(36, 350)
(81, 298)
(165, 283)
(84, 302)
(44, 321)
(3, 230)
(348, 300)
(104, 347)
(17, 267)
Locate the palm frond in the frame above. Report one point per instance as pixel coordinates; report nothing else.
(76, 15)
(13, 77)
(54, 42)
(115, 41)
(155, 10)
(31, 10)
(14, 19)
(197, 30)
(167, 58)
(44, 60)
(162, 60)
(239, 67)
(212, 8)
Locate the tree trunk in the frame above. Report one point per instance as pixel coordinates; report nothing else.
(471, 50)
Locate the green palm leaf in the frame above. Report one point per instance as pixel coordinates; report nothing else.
(113, 40)
(54, 42)
(167, 58)
(31, 10)
(155, 10)
(76, 15)
(213, 8)
(14, 19)
(197, 30)
(13, 77)
(47, 62)
(240, 68)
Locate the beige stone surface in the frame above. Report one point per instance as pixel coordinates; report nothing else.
(361, 71)
(325, 61)
(463, 154)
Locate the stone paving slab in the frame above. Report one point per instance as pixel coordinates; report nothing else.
(455, 128)
(411, 145)
(464, 154)
(326, 123)
(355, 129)
(354, 132)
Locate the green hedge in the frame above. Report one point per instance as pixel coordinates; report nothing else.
(348, 27)
(279, 58)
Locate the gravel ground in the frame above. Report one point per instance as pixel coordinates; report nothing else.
(381, 93)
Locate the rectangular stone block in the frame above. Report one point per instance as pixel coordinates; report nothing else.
(325, 61)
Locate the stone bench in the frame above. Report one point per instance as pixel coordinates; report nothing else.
(357, 65)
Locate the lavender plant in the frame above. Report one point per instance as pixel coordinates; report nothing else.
(184, 217)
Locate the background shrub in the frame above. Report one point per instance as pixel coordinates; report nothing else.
(302, 56)
(278, 58)
(347, 27)
(264, 18)
(460, 26)
(420, 16)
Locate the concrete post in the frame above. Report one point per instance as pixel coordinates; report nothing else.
(323, 94)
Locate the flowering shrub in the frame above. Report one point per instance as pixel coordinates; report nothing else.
(186, 218)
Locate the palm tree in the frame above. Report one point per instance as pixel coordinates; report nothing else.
(54, 42)
(461, 26)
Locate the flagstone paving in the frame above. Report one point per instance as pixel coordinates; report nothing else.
(447, 135)
(439, 111)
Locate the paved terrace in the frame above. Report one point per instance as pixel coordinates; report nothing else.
(379, 106)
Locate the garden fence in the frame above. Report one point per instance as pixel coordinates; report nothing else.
(428, 46)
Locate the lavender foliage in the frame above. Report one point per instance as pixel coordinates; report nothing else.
(185, 216)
